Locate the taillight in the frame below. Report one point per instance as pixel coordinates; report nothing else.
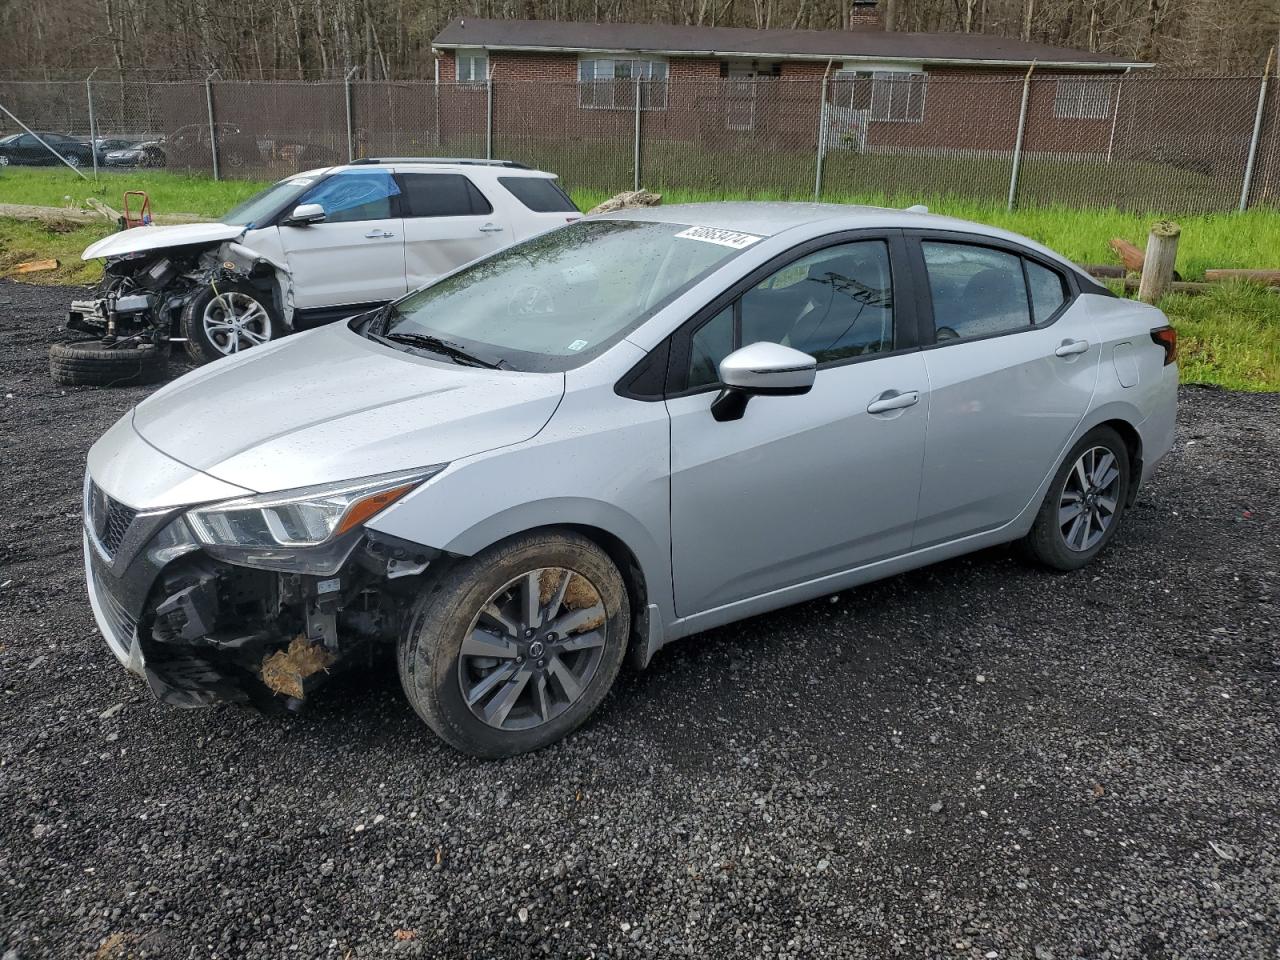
(1166, 337)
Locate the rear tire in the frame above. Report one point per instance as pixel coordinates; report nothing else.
(210, 331)
(92, 363)
(492, 680)
(1085, 503)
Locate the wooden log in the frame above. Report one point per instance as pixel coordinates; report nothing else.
(1270, 277)
(1129, 255)
(1157, 267)
(1103, 270)
(36, 266)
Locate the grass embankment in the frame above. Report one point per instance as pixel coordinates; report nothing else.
(1229, 337)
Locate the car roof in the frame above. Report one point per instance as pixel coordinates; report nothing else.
(769, 218)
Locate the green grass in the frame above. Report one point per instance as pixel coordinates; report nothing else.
(1229, 336)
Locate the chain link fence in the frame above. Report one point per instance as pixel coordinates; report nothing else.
(1167, 142)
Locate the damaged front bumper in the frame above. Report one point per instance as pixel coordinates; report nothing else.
(203, 631)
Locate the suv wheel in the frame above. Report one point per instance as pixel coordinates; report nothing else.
(1085, 503)
(512, 649)
(228, 321)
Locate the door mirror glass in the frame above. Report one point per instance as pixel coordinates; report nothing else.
(761, 369)
(305, 214)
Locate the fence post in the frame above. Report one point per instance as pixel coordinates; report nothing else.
(1257, 133)
(1157, 266)
(93, 128)
(635, 156)
(1115, 115)
(488, 116)
(1017, 143)
(351, 136)
(213, 133)
(822, 136)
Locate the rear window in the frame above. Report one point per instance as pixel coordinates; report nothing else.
(539, 194)
(442, 195)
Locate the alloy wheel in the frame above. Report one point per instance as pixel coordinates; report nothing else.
(1089, 500)
(235, 321)
(533, 648)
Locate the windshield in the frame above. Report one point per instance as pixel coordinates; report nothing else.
(262, 206)
(562, 297)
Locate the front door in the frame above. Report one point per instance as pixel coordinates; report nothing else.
(802, 486)
(1012, 374)
(357, 254)
(447, 222)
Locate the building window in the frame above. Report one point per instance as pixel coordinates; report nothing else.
(605, 83)
(897, 96)
(1082, 99)
(473, 66)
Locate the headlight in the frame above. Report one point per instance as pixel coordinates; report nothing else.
(303, 518)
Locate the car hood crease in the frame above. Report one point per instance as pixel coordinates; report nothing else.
(142, 239)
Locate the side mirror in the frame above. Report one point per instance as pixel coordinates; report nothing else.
(763, 369)
(304, 215)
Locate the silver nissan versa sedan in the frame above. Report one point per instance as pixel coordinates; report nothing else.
(610, 436)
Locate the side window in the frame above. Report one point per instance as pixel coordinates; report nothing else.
(349, 197)
(833, 304)
(1048, 291)
(539, 194)
(442, 195)
(976, 291)
(711, 343)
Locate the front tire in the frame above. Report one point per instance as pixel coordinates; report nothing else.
(226, 321)
(512, 649)
(1085, 503)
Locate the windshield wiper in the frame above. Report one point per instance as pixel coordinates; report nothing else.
(436, 345)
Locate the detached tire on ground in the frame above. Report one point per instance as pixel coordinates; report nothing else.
(511, 649)
(223, 323)
(93, 363)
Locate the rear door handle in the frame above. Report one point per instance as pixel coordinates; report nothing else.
(491, 228)
(1070, 348)
(893, 401)
(378, 235)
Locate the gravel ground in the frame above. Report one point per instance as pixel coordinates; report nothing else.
(974, 760)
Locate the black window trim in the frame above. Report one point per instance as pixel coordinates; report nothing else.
(677, 344)
(927, 322)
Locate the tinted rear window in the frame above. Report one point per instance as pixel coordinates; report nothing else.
(442, 195)
(538, 194)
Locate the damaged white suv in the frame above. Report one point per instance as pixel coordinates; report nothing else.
(316, 247)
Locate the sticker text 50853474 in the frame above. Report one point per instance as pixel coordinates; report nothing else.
(726, 238)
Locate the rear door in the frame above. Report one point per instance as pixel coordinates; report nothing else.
(448, 221)
(1012, 367)
(356, 255)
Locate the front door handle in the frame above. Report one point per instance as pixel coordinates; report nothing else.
(1070, 348)
(378, 235)
(491, 228)
(890, 400)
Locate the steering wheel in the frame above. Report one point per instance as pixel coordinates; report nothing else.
(530, 300)
(945, 333)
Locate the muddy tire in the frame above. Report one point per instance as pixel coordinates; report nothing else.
(235, 318)
(91, 363)
(512, 649)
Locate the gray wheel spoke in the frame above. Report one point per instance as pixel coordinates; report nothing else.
(530, 598)
(500, 706)
(1107, 479)
(253, 338)
(1082, 476)
(544, 701)
(1101, 464)
(581, 641)
(557, 598)
(481, 643)
(577, 619)
(495, 616)
(564, 676)
(1068, 513)
(1108, 504)
(1076, 526)
(492, 681)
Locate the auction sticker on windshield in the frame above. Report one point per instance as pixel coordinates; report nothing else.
(726, 238)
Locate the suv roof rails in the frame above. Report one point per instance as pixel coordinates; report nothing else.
(464, 161)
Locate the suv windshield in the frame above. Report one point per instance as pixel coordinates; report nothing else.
(558, 299)
(262, 206)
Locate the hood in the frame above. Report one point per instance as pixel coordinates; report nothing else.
(329, 405)
(140, 239)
